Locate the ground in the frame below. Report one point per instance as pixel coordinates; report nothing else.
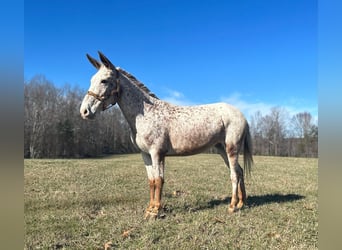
(87, 203)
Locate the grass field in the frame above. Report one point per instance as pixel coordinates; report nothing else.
(83, 204)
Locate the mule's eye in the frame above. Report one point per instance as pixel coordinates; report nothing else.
(104, 81)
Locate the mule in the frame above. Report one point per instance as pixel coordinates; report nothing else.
(160, 129)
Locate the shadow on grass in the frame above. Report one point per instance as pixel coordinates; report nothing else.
(260, 200)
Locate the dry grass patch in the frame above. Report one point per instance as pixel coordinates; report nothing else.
(84, 204)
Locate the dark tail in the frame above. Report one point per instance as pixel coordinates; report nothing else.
(247, 152)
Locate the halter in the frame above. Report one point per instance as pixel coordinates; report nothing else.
(103, 98)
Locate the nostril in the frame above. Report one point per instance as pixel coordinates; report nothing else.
(85, 113)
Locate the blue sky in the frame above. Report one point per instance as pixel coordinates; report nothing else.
(252, 54)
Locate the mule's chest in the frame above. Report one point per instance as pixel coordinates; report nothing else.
(150, 134)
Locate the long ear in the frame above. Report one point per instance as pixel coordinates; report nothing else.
(106, 61)
(94, 62)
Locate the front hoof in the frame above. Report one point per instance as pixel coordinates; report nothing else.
(154, 213)
(147, 215)
(151, 214)
(148, 212)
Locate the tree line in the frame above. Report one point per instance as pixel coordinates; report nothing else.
(279, 134)
(53, 127)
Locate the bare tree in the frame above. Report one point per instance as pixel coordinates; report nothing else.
(274, 130)
(40, 110)
(307, 132)
(258, 134)
(54, 128)
(277, 134)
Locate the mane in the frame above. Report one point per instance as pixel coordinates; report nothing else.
(137, 83)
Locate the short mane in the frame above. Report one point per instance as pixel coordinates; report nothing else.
(137, 83)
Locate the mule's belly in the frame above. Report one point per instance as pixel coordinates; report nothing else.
(184, 151)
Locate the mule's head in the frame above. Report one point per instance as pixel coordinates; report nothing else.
(104, 88)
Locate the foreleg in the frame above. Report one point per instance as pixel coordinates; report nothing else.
(155, 172)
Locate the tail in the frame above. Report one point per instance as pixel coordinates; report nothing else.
(247, 151)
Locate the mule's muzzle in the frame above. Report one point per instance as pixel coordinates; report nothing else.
(87, 114)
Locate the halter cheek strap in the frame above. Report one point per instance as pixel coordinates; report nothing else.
(103, 98)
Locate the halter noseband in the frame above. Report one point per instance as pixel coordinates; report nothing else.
(103, 98)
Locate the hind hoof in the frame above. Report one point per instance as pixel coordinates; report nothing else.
(240, 205)
(232, 209)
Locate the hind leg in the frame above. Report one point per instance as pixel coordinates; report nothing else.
(241, 192)
(241, 189)
(236, 176)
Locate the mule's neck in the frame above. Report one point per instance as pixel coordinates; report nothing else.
(132, 101)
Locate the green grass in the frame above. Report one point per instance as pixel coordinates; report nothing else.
(82, 204)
